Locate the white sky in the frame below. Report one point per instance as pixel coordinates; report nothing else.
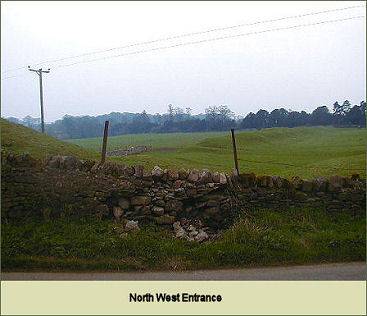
(297, 69)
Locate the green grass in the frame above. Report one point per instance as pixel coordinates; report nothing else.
(169, 140)
(20, 139)
(305, 151)
(265, 237)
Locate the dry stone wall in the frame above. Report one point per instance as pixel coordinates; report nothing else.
(66, 186)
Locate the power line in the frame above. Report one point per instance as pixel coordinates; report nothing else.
(206, 40)
(191, 34)
(212, 39)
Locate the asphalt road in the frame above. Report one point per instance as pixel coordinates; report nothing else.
(334, 271)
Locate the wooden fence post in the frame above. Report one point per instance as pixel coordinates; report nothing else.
(237, 171)
(104, 146)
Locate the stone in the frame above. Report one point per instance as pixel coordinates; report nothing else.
(298, 195)
(173, 175)
(117, 212)
(191, 228)
(157, 172)
(307, 186)
(182, 174)
(176, 225)
(261, 181)
(248, 180)
(160, 203)
(174, 205)
(205, 176)
(132, 226)
(277, 181)
(215, 177)
(297, 182)
(320, 184)
(140, 200)
(212, 203)
(70, 162)
(179, 231)
(158, 210)
(336, 183)
(138, 171)
(191, 192)
(165, 220)
(212, 210)
(54, 162)
(177, 184)
(124, 203)
(222, 178)
(193, 176)
(145, 210)
(102, 210)
(269, 182)
(201, 236)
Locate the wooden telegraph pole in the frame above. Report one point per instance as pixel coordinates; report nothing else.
(237, 171)
(104, 146)
(39, 72)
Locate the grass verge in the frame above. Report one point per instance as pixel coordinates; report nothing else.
(292, 236)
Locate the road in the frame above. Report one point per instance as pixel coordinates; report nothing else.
(333, 271)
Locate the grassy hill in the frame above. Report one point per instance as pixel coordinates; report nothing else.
(20, 139)
(305, 151)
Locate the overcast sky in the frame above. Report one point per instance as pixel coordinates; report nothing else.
(298, 69)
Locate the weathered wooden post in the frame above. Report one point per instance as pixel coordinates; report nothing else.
(104, 146)
(237, 171)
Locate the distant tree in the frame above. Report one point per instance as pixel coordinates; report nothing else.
(278, 118)
(170, 111)
(356, 116)
(340, 112)
(321, 116)
(262, 119)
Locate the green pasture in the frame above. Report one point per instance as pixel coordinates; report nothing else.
(304, 151)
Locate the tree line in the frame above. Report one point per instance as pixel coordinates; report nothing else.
(215, 118)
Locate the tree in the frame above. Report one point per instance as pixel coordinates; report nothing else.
(321, 116)
(340, 112)
(278, 117)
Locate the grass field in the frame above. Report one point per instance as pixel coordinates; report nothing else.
(306, 152)
(263, 237)
(19, 139)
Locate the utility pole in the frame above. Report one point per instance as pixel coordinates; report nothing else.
(39, 72)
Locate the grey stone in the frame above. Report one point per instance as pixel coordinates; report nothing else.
(193, 176)
(132, 226)
(124, 203)
(182, 174)
(158, 210)
(117, 212)
(201, 236)
(222, 178)
(138, 171)
(140, 200)
(165, 220)
(157, 172)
